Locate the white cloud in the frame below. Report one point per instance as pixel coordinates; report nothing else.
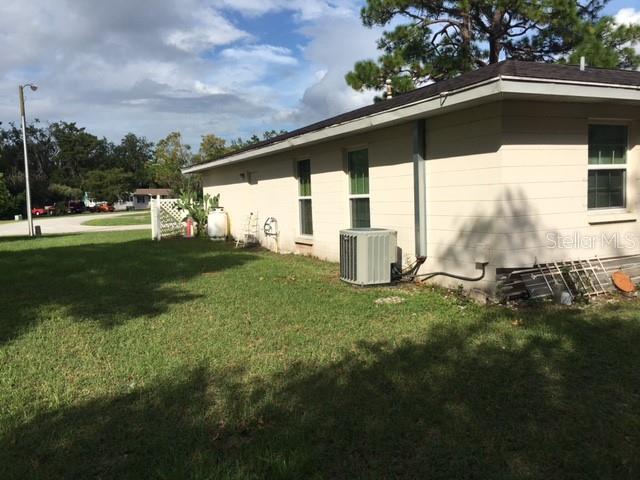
(209, 30)
(628, 16)
(154, 66)
(329, 94)
(261, 54)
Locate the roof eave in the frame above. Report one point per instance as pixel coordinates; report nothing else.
(483, 92)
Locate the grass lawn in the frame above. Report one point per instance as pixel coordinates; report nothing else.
(143, 218)
(124, 358)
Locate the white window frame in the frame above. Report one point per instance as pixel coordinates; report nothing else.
(355, 196)
(614, 166)
(303, 197)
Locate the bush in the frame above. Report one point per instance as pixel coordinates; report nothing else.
(199, 209)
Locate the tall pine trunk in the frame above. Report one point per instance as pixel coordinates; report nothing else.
(495, 47)
(465, 34)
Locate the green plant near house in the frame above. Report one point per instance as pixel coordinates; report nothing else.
(199, 209)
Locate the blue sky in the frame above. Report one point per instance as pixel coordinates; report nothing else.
(616, 5)
(229, 67)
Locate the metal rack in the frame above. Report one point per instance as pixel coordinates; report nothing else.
(590, 277)
(249, 234)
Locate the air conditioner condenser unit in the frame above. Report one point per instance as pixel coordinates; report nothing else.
(366, 255)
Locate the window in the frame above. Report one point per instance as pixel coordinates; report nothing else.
(607, 166)
(304, 197)
(358, 165)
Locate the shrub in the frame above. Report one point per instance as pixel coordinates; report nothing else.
(199, 209)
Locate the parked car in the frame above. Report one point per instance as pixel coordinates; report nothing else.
(75, 206)
(38, 211)
(104, 207)
(50, 209)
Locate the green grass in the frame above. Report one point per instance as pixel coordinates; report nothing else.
(124, 358)
(134, 219)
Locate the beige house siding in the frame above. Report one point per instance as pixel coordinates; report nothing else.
(273, 191)
(545, 169)
(463, 182)
(503, 180)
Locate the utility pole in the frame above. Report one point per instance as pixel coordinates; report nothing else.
(26, 159)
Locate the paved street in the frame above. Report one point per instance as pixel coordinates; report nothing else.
(66, 224)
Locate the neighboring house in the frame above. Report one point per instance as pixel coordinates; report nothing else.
(124, 204)
(142, 196)
(511, 164)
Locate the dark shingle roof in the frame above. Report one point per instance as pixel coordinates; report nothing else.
(515, 68)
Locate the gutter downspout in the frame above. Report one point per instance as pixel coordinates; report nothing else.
(420, 208)
(420, 187)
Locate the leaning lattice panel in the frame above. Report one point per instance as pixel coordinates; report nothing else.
(169, 226)
(167, 218)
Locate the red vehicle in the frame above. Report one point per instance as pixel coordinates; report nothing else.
(104, 207)
(37, 211)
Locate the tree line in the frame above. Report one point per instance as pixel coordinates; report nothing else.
(65, 161)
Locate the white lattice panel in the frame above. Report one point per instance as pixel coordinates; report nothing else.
(169, 226)
(170, 207)
(169, 218)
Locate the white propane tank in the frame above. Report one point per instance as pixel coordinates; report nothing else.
(217, 224)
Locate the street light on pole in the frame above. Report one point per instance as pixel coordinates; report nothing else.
(26, 160)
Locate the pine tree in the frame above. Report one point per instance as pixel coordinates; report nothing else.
(440, 39)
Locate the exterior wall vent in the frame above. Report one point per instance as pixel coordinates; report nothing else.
(366, 255)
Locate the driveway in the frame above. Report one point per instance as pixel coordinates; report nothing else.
(67, 224)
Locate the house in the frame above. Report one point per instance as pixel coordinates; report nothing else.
(514, 164)
(140, 199)
(142, 196)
